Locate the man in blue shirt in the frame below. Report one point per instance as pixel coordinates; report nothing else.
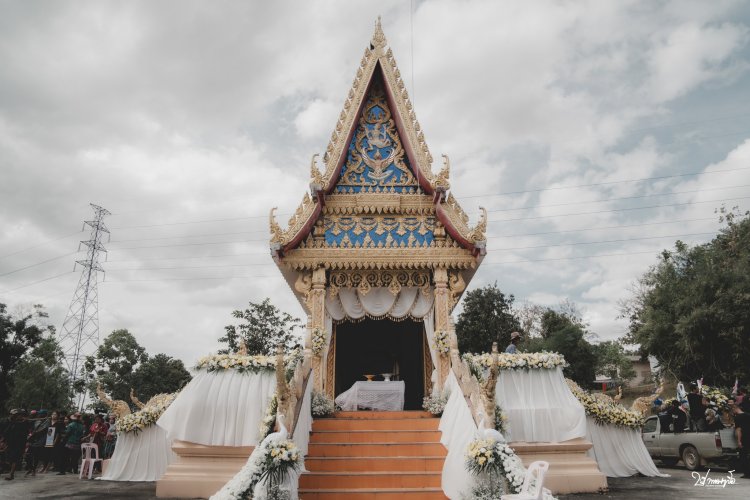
(515, 338)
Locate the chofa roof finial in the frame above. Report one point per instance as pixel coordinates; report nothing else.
(378, 37)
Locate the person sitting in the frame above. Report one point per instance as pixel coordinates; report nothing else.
(515, 338)
(679, 417)
(713, 422)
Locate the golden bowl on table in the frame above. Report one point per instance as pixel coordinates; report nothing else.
(369, 377)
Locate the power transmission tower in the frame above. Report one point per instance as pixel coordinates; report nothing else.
(79, 335)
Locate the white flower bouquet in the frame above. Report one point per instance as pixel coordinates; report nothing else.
(717, 399)
(494, 459)
(318, 341)
(322, 405)
(442, 344)
(435, 404)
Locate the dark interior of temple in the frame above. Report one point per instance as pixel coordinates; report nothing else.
(381, 346)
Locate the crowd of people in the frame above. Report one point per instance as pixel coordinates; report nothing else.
(41, 442)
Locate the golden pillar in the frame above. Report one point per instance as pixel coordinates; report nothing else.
(442, 320)
(317, 319)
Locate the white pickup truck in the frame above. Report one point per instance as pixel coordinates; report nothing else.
(695, 449)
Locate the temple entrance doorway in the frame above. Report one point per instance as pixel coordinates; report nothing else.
(381, 346)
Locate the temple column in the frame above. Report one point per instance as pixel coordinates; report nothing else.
(317, 320)
(442, 317)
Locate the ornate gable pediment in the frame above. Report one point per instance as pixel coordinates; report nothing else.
(376, 204)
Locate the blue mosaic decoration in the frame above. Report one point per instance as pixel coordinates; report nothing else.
(375, 160)
(379, 231)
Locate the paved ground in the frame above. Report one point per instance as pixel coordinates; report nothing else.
(680, 486)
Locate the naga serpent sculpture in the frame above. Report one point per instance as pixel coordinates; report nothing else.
(118, 407)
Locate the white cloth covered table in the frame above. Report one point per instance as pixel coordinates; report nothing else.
(221, 408)
(381, 396)
(540, 406)
(619, 451)
(140, 457)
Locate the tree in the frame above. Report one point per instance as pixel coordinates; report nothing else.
(159, 374)
(114, 363)
(487, 317)
(18, 335)
(40, 379)
(567, 336)
(613, 361)
(264, 327)
(692, 309)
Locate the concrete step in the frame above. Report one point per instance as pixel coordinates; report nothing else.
(375, 449)
(349, 480)
(384, 414)
(375, 464)
(372, 436)
(373, 494)
(360, 424)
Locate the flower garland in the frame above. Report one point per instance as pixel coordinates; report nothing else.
(501, 420)
(146, 417)
(272, 460)
(318, 341)
(266, 425)
(442, 344)
(244, 363)
(435, 404)
(604, 412)
(519, 361)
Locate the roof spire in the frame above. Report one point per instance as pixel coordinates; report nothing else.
(378, 37)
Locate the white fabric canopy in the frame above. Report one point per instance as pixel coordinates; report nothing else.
(140, 457)
(539, 406)
(379, 302)
(380, 396)
(458, 430)
(222, 408)
(619, 451)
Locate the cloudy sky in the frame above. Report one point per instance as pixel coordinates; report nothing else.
(595, 133)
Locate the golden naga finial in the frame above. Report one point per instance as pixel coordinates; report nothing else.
(316, 178)
(378, 37)
(135, 400)
(277, 235)
(477, 234)
(441, 181)
(119, 408)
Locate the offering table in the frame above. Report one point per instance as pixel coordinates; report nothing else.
(379, 396)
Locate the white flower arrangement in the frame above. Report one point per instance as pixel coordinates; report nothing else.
(318, 341)
(606, 412)
(266, 425)
(442, 344)
(244, 363)
(271, 461)
(716, 398)
(519, 361)
(322, 405)
(146, 417)
(435, 404)
(491, 457)
(501, 420)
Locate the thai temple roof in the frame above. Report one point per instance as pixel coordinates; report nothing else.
(375, 203)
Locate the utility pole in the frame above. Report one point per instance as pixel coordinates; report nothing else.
(79, 336)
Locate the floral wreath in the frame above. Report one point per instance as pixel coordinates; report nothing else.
(442, 344)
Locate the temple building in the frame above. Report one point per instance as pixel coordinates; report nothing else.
(379, 251)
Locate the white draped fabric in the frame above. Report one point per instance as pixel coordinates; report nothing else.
(458, 430)
(379, 396)
(304, 424)
(140, 457)
(379, 302)
(619, 451)
(222, 408)
(539, 406)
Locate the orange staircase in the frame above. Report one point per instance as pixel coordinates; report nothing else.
(367, 455)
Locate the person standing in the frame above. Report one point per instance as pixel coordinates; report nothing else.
(73, 435)
(16, 435)
(515, 338)
(742, 431)
(38, 439)
(697, 409)
(59, 453)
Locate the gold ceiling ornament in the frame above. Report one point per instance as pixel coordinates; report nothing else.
(477, 233)
(308, 258)
(364, 281)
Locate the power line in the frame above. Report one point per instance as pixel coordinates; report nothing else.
(38, 263)
(602, 228)
(190, 236)
(600, 242)
(36, 282)
(38, 245)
